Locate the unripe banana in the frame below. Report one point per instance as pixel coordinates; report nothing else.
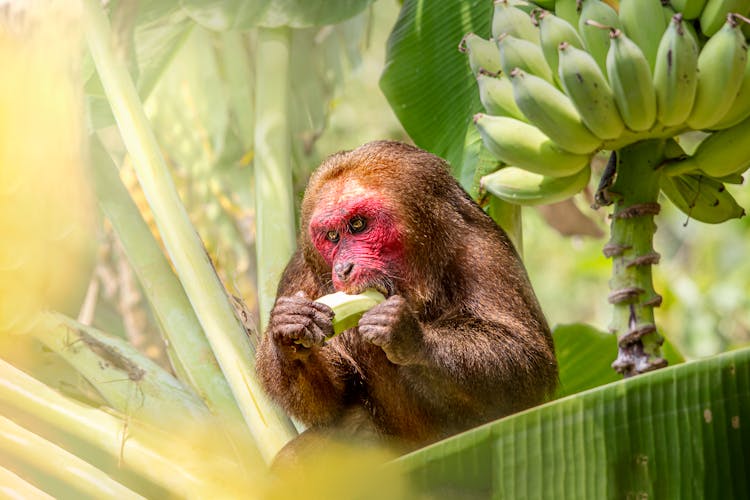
(643, 22)
(519, 53)
(589, 91)
(525, 146)
(690, 9)
(714, 14)
(721, 65)
(347, 309)
(740, 106)
(496, 94)
(630, 78)
(552, 112)
(483, 54)
(568, 10)
(552, 32)
(596, 39)
(519, 186)
(701, 198)
(675, 74)
(725, 152)
(513, 21)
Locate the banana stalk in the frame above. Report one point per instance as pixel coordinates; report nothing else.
(633, 297)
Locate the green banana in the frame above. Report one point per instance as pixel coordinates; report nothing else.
(552, 112)
(568, 10)
(513, 21)
(675, 74)
(701, 198)
(483, 54)
(596, 39)
(690, 9)
(496, 94)
(347, 309)
(552, 32)
(525, 146)
(519, 53)
(723, 153)
(643, 22)
(519, 186)
(721, 65)
(589, 91)
(630, 78)
(714, 14)
(740, 106)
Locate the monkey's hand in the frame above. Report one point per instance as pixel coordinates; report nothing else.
(392, 326)
(298, 324)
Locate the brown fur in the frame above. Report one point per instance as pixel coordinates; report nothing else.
(467, 343)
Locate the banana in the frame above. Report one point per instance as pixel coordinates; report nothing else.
(496, 94)
(522, 187)
(701, 198)
(589, 91)
(519, 53)
(630, 78)
(740, 106)
(568, 10)
(690, 9)
(675, 74)
(721, 65)
(525, 146)
(513, 21)
(483, 54)
(552, 32)
(714, 14)
(552, 112)
(643, 22)
(723, 153)
(596, 39)
(347, 309)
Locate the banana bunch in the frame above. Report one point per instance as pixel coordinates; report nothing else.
(563, 79)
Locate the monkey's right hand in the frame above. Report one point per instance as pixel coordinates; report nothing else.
(297, 324)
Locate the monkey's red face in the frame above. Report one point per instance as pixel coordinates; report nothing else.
(357, 235)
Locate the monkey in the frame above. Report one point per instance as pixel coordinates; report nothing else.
(460, 339)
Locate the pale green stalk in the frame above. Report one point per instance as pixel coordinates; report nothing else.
(271, 429)
(274, 201)
(188, 347)
(12, 486)
(150, 453)
(23, 447)
(129, 382)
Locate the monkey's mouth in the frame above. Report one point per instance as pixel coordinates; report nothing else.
(387, 289)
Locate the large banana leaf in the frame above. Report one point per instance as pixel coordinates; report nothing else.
(681, 432)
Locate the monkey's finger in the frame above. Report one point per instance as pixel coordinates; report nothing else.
(383, 319)
(374, 334)
(312, 336)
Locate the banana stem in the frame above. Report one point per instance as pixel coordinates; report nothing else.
(635, 192)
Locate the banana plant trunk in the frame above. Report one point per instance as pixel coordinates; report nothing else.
(635, 194)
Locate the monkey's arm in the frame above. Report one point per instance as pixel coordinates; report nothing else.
(483, 366)
(305, 377)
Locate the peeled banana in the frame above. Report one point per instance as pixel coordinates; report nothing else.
(644, 23)
(589, 92)
(701, 198)
(552, 112)
(496, 94)
(630, 78)
(520, 53)
(721, 65)
(513, 21)
(675, 74)
(519, 186)
(483, 54)
(525, 146)
(347, 309)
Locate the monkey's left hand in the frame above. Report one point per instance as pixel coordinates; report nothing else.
(392, 326)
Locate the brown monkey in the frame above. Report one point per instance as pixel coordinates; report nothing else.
(460, 340)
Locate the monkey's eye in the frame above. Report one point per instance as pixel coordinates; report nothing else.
(357, 224)
(332, 236)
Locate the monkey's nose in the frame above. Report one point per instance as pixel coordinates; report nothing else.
(343, 269)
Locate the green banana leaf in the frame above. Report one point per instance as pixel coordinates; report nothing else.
(426, 80)
(680, 432)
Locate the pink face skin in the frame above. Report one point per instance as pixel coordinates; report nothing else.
(353, 226)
